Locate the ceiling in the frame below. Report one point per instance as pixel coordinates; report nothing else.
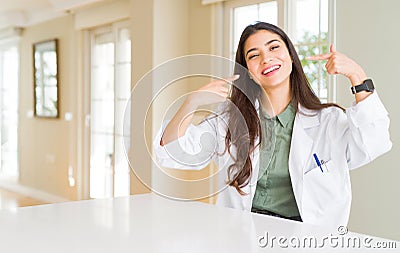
(23, 13)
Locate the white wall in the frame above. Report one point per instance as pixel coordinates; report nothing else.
(180, 28)
(367, 30)
(142, 62)
(171, 40)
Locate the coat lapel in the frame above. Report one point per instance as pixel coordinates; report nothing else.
(301, 149)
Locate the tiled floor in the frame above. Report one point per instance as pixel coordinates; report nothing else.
(9, 200)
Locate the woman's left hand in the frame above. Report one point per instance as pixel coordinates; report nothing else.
(338, 63)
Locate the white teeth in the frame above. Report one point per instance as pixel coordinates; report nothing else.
(270, 69)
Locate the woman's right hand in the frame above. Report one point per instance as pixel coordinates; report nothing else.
(214, 92)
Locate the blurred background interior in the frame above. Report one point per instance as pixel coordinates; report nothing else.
(67, 68)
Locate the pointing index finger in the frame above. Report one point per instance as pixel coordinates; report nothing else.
(319, 57)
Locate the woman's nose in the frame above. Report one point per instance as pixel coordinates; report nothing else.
(266, 58)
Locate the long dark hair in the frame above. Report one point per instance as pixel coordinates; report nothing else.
(245, 92)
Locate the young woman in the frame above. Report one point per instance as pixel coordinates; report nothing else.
(285, 153)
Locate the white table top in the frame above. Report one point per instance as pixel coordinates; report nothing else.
(150, 223)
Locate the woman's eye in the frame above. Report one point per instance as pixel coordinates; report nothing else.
(253, 56)
(274, 47)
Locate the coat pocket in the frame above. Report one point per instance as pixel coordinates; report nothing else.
(326, 195)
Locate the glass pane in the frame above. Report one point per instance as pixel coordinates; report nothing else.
(103, 116)
(324, 16)
(102, 148)
(123, 79)
(268, 12)
(9, 163)
(49, 62)
(9, 65)
(121, 176)
(323, 91)
(103, 50)
(103, 82)
(49, 106)
(51, 95)
(9, 137)
(306, 22)
(124, 46)
(10, 81)
(250, 14)
(309, 66)
(242, 17)
(39, 98)
(119, 116)
(9, 100)
(9, 117)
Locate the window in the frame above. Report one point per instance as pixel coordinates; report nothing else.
(110, 88)
(9, 82)
(311, 32)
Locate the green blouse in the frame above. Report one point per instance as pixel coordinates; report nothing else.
(274, 188)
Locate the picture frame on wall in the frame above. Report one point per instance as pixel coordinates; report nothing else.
(45, 76)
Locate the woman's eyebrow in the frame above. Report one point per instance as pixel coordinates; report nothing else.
(266, 44)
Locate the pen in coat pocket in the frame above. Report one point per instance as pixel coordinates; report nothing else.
(318, 162)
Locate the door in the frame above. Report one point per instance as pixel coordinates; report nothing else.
(110, 84)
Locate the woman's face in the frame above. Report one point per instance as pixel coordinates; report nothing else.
(268, 59)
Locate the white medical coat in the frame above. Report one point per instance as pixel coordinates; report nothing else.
(342, 140)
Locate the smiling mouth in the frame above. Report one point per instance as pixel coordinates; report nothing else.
(270, 70)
